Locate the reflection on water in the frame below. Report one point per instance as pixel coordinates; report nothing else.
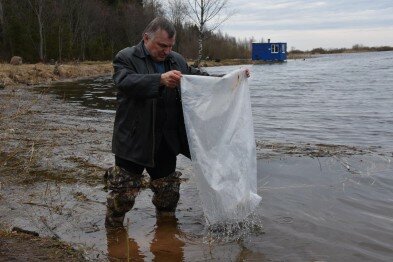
(98, 93)
(165, 246)
(151, 237)
(121, 247)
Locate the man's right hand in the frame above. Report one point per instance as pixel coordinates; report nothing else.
(171, 79)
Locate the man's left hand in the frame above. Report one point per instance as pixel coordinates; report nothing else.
(247, 72)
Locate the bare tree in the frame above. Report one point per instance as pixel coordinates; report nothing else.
(1, 14)
(177, 12)
(59, 11)
(208, 15)
(152, 9)
(96, 29)
(132, 27)
(74, 17)
(1, 22)
(91, 23)
(37, 6)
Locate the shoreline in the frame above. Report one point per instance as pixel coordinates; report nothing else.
(45, 144)
(12, 76)
(53, 155)
(42, 74)
(38, 74)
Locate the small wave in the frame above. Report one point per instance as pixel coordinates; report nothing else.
(232, 231)
(269, 149)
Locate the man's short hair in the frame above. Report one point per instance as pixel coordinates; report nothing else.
(160, 23)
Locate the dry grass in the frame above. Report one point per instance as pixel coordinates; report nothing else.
(225, 62)
(34, 74)
(35, 135)
(16, 246)
(300, 56)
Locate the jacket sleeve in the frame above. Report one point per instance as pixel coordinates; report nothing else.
(131, 83)
(196, 71)
(185, 68)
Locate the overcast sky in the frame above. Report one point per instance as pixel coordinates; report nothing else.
(307, 24)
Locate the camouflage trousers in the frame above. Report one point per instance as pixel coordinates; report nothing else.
(125, 186)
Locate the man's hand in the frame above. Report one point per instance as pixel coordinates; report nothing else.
(247, 72)
(171, 79)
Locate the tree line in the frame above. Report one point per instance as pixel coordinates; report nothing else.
(66, 30)
(354, 48)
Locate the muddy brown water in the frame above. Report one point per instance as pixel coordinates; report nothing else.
(321, 201)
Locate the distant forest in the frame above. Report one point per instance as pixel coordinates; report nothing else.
(70, 30)
(67, 30)
(355, 48)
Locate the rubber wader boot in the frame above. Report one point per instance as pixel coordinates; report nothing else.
(117, 178)
(118, 203)
(166, 193)
(124, 188)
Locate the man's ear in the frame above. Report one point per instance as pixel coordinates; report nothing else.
(145, 37)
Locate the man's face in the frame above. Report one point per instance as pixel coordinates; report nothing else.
(159, 45)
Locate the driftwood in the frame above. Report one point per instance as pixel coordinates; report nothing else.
(24, 231)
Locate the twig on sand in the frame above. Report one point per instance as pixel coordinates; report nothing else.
(43, 220)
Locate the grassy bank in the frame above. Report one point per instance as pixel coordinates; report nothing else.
(34, 74)
(45, 145)
(37, 74)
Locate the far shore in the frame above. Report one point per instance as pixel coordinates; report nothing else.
(43, 73)
(40, 73)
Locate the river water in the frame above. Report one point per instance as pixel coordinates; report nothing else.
(324, 129)
(336, 99)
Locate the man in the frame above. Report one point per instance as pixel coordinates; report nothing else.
(149, 128)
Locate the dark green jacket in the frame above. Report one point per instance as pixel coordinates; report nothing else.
(138, 89)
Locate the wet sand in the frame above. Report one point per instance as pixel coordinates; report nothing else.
(335, 206)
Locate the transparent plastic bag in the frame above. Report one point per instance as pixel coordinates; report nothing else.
(218, 118)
